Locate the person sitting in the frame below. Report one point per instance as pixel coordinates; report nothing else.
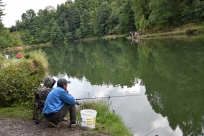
(19, 55)
(58, 103)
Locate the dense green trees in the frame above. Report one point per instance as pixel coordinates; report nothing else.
(5, 38)
(80, 19)
(1, 10)
(21, 78)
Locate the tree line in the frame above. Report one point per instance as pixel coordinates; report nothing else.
(82, 19)
(5, 36)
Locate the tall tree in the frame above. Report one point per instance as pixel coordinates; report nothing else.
(141, 10)
(104, 11)
(114, 18)
(1, 10)
(57, 36)
(127, 19)
(84, 19)
(162, 12)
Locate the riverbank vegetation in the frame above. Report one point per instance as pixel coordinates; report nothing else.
(107, 122)
(19, 78)
(96, 18)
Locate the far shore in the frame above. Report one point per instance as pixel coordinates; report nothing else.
(16, 48)
(177, 32)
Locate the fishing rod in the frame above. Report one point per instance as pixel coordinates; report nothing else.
(108, 97)
(156, 129)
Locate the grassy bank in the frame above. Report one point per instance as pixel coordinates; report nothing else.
(189, 29)
(106, 122)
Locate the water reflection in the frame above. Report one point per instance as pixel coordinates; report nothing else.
(169, 73)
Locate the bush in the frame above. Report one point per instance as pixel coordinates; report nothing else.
(3, 42)
(1, 58)
(20, 79)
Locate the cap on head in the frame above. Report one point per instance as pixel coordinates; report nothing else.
(62, 81)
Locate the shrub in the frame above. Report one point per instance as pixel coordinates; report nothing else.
(1, 58)
(20, 79)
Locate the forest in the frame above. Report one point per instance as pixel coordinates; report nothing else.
(95, 18)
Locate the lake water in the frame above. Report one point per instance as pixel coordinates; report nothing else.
(161, 82)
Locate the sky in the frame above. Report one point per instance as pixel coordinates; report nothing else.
(15, 8)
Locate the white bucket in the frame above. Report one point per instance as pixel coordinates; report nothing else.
(88, 118)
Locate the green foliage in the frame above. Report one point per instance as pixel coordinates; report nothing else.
(1, 10)
(103, 15)
(127, 20)
(6, 39)
(3, 42)
(194, 12)
(142, 24)
(56, 34)
(69, 36)
(1, 58)
(20, 78)
(78, 34)
(82, 19)
(162, 12)
(28, 38)
(114, 18)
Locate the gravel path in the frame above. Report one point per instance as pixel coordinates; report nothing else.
(21, 127)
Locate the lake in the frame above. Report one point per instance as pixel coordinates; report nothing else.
(156, 86)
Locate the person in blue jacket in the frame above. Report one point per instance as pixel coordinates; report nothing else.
(58, 103)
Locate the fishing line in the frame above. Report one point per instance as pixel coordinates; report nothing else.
(109, 97)
(156, 129)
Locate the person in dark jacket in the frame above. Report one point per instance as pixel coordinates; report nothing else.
(58, 103)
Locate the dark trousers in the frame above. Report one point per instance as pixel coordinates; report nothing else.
(59, 116)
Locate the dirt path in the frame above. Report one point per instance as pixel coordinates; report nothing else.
(21, 127)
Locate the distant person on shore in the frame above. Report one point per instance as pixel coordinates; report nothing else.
(12, 56)
(131, 33)
(19, 55)
(5, 55)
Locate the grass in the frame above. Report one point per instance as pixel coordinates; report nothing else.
(106, 121)
(86, 39)
(16, 112)
(40, 56)
(113, 36)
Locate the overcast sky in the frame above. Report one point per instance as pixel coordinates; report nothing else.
(15, 8)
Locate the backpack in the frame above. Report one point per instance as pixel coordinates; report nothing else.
(44, 90)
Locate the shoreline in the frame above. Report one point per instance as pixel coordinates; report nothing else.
(186, 30)
(16, 48)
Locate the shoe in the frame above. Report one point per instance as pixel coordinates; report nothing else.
(65, 119)
(54, 124)
(73, 124)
